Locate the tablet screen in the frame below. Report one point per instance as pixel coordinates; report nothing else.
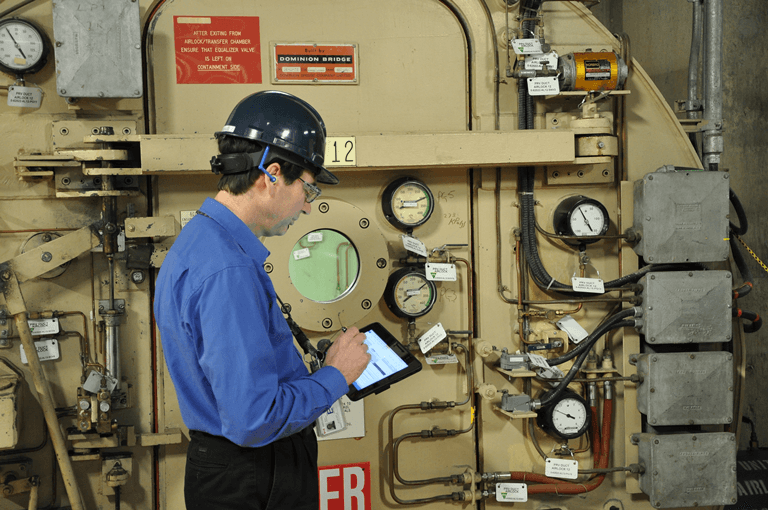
(384, 361)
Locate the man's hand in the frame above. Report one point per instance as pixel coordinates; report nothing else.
(349, 354)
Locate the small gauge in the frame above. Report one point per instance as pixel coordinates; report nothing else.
(23, 47)
(567, 418)
(580, 216)
(407, 203)
(409, 294)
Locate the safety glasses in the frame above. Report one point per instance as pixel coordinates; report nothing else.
(311, 192)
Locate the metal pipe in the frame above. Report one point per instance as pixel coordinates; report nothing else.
(713, 91)
(693, 62)
(113, 352)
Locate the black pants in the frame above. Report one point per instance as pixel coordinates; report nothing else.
(221, 475)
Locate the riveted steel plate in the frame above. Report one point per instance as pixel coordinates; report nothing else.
(686, 388)
(685, 470)
(681, 307)
(682, 216)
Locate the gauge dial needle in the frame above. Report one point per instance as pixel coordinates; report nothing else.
(568, 415)
(15, 43)
(409, 297)
(586, 220)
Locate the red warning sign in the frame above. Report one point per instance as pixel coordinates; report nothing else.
(314, 63)
(345, 486)
(217, 49)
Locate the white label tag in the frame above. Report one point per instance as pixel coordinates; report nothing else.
(47, 349)
(527, 46)
(544, 86)
(442, 359)
(354, 416)
(575, 332)
(536, 62)
(93, 382)
(414, 245)
(593, 285)
(25, 97)
(432, 337)
(512, 492)
(440, 272)
(301, 254)
(538, 360)
(185, 216)
(315, 237)
(40, 327)
(331, 421)
(409, 203)
(561, 468)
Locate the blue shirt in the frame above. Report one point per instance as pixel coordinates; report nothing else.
(227, 346)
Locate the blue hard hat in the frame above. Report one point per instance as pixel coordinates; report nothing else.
(285, 122)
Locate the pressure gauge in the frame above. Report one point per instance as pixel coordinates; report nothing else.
(407, 203)
(580, 216)
(567, 418)
(23, 47)
(409, 294)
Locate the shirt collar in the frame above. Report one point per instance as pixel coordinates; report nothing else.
(239, 231)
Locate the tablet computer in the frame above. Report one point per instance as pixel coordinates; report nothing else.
(390, 362)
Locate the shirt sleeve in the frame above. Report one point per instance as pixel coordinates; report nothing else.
(262, 388)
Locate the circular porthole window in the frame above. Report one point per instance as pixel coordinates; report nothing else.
(324, 266)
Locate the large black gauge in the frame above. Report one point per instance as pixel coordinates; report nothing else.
(580, 216)
(23, 47)
(407, 203)
(409, 294)
(568, 417)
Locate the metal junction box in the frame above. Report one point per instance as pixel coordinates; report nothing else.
(686, 388)
(683, 307)
(684, 470)
(682, 216)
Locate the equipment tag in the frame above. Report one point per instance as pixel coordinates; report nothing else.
(315, 237)
(591, 285)
(93, 382)
(25, 97)
(538, 360)
(412, 244)
(512, 492)
(432, 337)
(301, 254)
(544, 86)
(562, 468)
(47, 349)
(40, 327)
(332, 420)
(527, 46)
(442, 359)
(536, 62)
(440, 272)
(575, 332)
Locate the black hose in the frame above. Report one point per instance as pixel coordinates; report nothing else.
(756, 321)
(740, 213)
(744, 271)
(586, 344)
(580, 361)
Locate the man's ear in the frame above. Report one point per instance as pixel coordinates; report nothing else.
(275, 171)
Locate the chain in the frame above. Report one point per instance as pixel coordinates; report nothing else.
(754, 255)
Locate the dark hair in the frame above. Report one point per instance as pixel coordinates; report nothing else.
(237, 184)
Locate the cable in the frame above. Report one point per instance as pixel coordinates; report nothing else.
(586, 344)
(757, 321)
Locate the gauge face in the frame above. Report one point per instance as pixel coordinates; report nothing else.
(409, 294)
(407, 203)
(23, 47)
(580, 216)
(588, 219)
(567, 418)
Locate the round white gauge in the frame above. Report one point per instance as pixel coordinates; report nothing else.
(407, 203)
(568, 417)
(579, 217)
(409, 294)
(23, 47)
(587, 219)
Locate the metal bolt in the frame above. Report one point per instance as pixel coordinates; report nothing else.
(136, 92)
(650, 259)
(650, 177)
(137, 46)
(653, 277)
(64, 131)
(728, 275)
(647, 218)
(693, 438)
(656, 441)
(733, 438)
(730, 388)
(46, 256)
(327, 323)
(366, 304)
(655, 473)
(693, 356)
(58, 44)
(287, 308)
(606, 173)
(727, 337)
(733, 468)
(653, 420)
(3, 341)
(555, 175)
(46, 238)
(653, 390)
(131, 228)
(654, 359)
(364, 223)
(729, 420)
(6, 275)
(137, 276)
(63, 91)
(323, 207)
(101, 94)
(600, 145)
(126, 131)
(268, 267)
(729, 357)
(381, 263)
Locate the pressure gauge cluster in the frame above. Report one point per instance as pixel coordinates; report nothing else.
(580, 216)
(409, 294)
(23, 47)
(407, 203)
(566, 418)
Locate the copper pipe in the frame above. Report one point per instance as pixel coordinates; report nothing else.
(500, 286)
(578, 238)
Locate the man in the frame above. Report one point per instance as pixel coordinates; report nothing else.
(243, 388)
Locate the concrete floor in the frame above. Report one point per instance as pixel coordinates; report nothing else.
(660, 35)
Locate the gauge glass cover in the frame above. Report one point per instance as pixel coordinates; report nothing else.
(587, 220)
(411, 204)
(569, 417)
(21, 46)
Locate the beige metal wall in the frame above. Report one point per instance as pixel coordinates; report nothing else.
(420, 74)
